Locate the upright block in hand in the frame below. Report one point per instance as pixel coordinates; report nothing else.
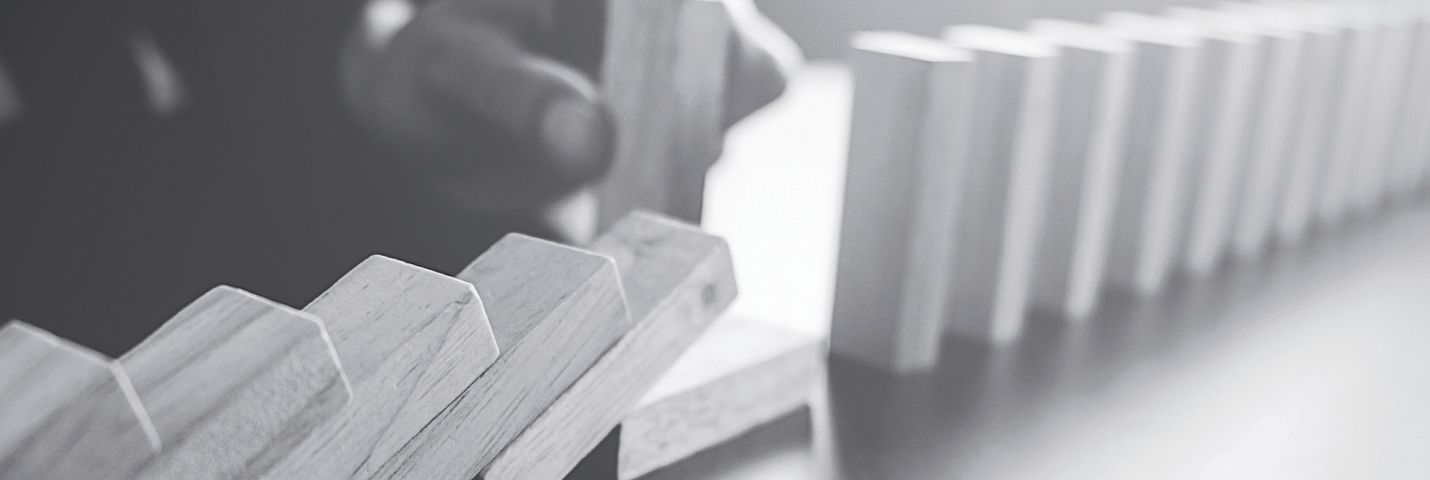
(411, 341)
(1094, 79)
(554, 311)
(1150, 189)
(67, 412)
(664, 78)
(677, 279)
(1004, 181)
(1221, 117)
(900, 199)
(233, 383)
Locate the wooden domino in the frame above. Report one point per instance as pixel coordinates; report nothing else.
(1094, 78)
(901, 191)
(1150, 188)
(410, 340)
(1320, 78)
(1004, 182)
(739, 375)
(1387, 91)
(66, 411)
(1357, 70)
(676, 280)
(1412, 140)
(232, 383)
(664, 79)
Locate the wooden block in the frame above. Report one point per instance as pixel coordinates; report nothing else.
(739, 375)
(677, 279)
(1094, 80)
(411, 341)
(1387, 95)
(1219, 135)
(233, 382)
(554, 310)
(1320, 79)
(1357, 70)
(1278, 89)
(900, 199)
(664, 78)
(1412, 147)
(66, 411)
(1013, 105)
(1150, 187)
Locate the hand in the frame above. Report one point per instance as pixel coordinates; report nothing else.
(493, 102)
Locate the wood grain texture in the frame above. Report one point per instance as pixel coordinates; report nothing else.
(906, 141)
(664, 79)
(554, 311)
(66, 411)
(1312, 122)
(232, 383)
(1230, 55)
(1093, 79)
(1014, 105)
(1150, 188)
(1281, 84)
(677, 279)
(737, 376)
(411, 341)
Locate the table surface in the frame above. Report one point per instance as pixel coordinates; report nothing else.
(1310, 362)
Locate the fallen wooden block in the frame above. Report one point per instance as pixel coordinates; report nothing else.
(1094, 79)
(232, 383)
(1320, 80)
(737, 376)
(901, 199)
(1278, 88)
(1220, 120)
(411, 341)
(664, 78)
(677, 279)
(67, 412)
(554, 311)
(1014, 101)
(1357, 68)
(1150, 188)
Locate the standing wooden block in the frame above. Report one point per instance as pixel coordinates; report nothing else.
(233, 383)
(1220, 120)
(1320, 80)
(411, 341)
(739, 375)
(67, 412)
(900, 199)
(1150, 188)
(554, 310)
(1357, 69)
(1005, 178)
(664, 79)
(1094, 79)
(1386, 98)
(677, 279)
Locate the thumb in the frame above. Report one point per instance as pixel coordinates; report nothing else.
(551, 111)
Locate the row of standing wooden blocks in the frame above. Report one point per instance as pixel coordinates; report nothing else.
(515, 368)
(996, 170)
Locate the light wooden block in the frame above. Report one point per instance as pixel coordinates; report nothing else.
(900, 199)
(67, 412)
(1219, 135)
(663, 76)
(1094, 79)
(1357, 70)
(233, 382)
(1278, 88)
(739, 375)
(677, 279)
(1321, 82)
(1150, 187)
(554, 310)
(411, 341)
(1394, 34)
(1014, 102)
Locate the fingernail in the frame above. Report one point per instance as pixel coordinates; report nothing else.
(577, 135)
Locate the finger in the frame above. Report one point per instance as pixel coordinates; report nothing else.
(551, 111)
(753, 80)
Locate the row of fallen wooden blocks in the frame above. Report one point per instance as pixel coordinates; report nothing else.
(994, 171)
(516, 368)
